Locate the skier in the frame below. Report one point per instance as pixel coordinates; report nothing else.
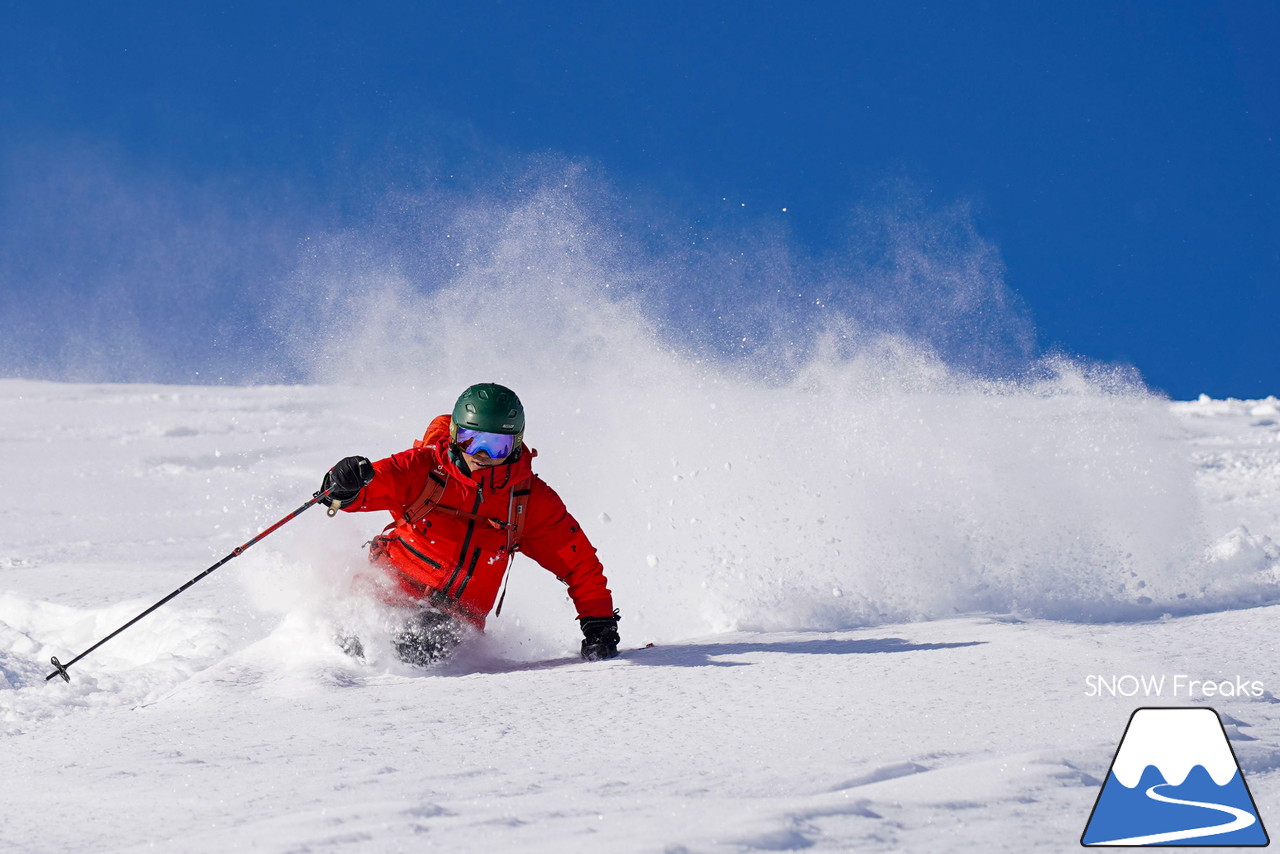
(464, 499)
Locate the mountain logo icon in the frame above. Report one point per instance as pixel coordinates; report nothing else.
(1175, 781)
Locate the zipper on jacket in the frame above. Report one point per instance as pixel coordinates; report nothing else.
(466, 544)
(419, 555)
(475, 558)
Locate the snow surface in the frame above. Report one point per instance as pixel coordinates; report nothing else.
(876, 639)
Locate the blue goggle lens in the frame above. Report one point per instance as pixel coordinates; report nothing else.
(496, 445)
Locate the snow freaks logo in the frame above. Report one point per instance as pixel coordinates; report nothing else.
(1175, 781)
(1181, 685)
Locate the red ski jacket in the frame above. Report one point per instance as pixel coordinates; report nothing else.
(457, 554)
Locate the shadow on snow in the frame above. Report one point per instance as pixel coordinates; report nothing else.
(704, 655)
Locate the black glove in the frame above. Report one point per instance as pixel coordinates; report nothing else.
(345, 480)
(599, 637)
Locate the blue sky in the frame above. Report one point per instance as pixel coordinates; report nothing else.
(1120, 156)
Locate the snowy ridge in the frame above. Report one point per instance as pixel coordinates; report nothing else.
(1174, 741)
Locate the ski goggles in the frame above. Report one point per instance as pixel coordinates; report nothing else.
(496, 445)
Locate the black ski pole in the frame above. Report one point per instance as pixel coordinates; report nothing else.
(60, 669)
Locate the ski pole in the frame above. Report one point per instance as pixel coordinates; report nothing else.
(60, 669)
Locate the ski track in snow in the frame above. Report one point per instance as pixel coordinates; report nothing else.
(228, 720)
(1240, 819)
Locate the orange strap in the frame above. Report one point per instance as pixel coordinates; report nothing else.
(432, 492)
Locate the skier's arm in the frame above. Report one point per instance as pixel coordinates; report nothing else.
(555, 540)
(389, 484)
(399, 480)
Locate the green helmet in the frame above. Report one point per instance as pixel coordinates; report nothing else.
(490, 408)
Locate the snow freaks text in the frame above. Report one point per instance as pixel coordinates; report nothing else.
(1179, 685)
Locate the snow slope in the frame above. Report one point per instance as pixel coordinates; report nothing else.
(892, 652)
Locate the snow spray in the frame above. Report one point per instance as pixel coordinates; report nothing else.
(754, 438)
(847, 465)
